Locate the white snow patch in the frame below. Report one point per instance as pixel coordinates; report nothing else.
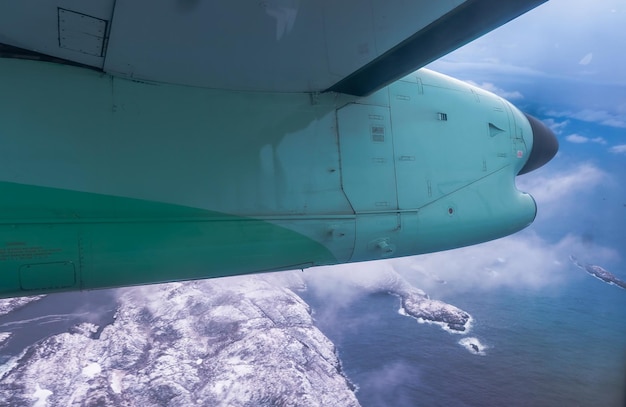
(116, 380)
(4, 336)
(238, 366)
(242, 370)
(91, 370)
(10, 304)
(90, 327)
(41, 396)
(221, 386)
(228, 311)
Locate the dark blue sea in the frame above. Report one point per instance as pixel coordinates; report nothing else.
(564, 346)
(54, 314)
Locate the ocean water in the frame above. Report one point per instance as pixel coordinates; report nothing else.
(54, 314)
(564, 346)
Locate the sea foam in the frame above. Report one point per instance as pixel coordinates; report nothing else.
(473, 345)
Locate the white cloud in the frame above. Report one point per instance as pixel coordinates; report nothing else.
(578, 139)
(593, 116)
(352, 280)
(619, 149)
(390, 378)
(556, 127)
(598, 140)
(586, 60)
(557, 49)
(565, 192)
(523, 261)
(556, 188)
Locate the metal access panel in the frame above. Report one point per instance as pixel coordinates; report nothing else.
(367, 161)
(413, 126)
(74, 30)
(38, 256)
(81, 32)
(47, 276)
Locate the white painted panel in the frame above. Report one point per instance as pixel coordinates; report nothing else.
(392, 24)
(359, 31)
(270, 45)
(352, 41)
(274, 45)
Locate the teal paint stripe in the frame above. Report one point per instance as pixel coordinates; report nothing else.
(115, 241)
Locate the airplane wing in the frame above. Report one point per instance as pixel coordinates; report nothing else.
(348, 46)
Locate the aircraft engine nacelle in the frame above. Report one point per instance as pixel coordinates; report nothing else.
(108, 182)
(429, 164)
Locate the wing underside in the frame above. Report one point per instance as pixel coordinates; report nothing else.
(349, 46)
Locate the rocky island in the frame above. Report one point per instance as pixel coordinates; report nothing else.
(414, 302)
(473, 345)
(599, 273)
(418, 305)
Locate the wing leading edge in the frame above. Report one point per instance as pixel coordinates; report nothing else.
(465, 23)
(350, 46)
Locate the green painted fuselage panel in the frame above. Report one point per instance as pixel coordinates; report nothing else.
(107, 182)
(67, 240)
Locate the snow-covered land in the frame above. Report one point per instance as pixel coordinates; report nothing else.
(243, 341)
(10, 304)
(3, 338)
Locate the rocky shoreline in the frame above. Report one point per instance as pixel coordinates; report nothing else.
(599, 273)
(424, 309)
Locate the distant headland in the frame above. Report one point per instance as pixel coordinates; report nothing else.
(599, 273)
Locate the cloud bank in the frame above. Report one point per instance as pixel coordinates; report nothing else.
(578, 139)
(619, 149)
(593, 116)
(522, 261)
(553, 190)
